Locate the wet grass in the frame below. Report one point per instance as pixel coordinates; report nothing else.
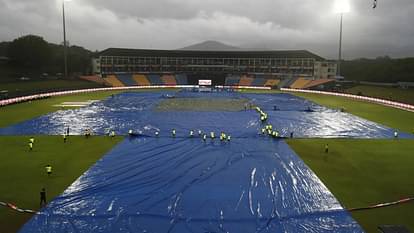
(202, 104)
(22, 173)
(365, 172)
(18, 88)
(391, 117)
(390, 93)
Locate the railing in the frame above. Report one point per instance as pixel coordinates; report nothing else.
(389, 103)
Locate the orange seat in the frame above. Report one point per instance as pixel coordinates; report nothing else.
(245, 81)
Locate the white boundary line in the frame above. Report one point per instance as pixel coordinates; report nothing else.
(389, 103)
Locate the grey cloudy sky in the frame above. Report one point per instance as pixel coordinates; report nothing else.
(265, 24)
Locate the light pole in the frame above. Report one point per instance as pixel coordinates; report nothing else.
(65, 48)
(341, 7)
(340, 47)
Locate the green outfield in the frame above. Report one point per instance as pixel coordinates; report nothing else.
(365, 172)
(23, 173)
(390, 93)
(32, 87)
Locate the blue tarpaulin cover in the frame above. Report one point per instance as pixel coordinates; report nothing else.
(253, 183)
(136, 111)
(186, 185)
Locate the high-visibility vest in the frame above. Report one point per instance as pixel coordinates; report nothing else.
(49, 169)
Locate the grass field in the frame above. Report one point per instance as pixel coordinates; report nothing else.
(390, 93)
(23, 173)
(394, 118)
(365, 172)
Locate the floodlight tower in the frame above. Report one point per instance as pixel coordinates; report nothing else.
(341, 7)
(65, 52)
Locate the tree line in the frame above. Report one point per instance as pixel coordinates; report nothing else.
(35, 55)
(381, 69)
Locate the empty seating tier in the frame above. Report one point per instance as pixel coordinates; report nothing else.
(300, 83)
(126, 79)
(271, 82)
(114, 81)
(246, 80)
(155, 79)
(141, 80)
(181, 79)
(169, 80)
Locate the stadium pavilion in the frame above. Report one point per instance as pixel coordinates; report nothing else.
(214, 65)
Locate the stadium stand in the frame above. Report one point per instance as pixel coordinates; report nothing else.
(141, 80)
(258, 82)
(95, 79)
(271, 82)
(169, 80)
(246, 80)
(317, 82)
(300, 83)
(286, 82)
(155, 79)
(181, 79)
(114, 81)
(232, 80)
(126, 79)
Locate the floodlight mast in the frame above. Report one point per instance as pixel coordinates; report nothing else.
(341, 7)
(340, 47)
(65, 52)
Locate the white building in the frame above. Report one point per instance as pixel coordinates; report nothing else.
(324, 70)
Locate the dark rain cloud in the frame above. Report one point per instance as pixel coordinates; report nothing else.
(263, 24)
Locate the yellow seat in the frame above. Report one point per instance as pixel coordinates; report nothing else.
(141, 80)
(114, 81)
(271, 82)
(300, 83)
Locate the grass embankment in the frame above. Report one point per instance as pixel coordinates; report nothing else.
(365, 172)
(22, 173)
(32, 87)
(16, 113)
(391, 117)
(389, 93)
